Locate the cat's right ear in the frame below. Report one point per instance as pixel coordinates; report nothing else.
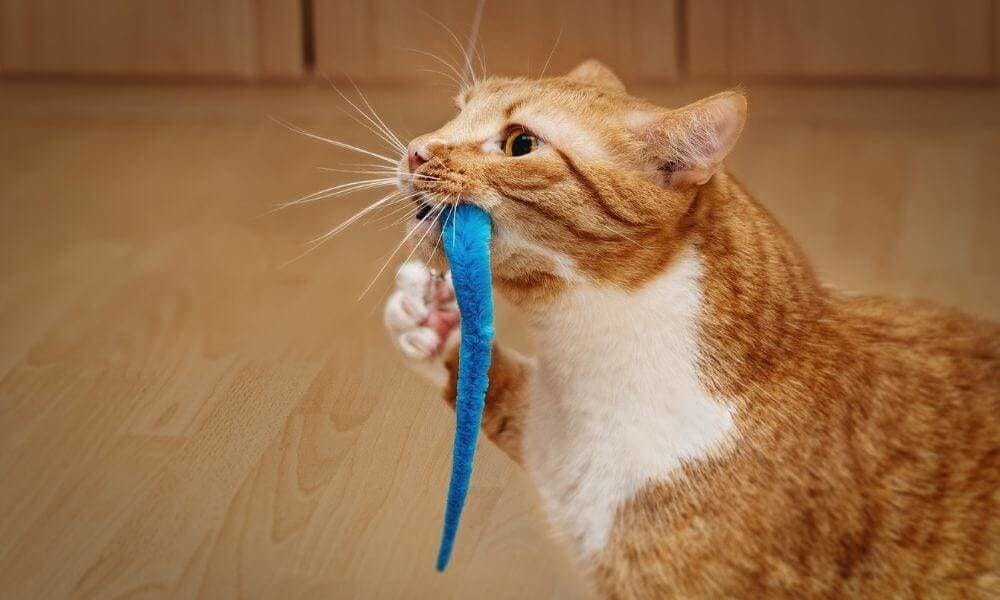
(688, 145)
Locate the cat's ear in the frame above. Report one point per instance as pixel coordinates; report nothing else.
(690, 143)
(594, 72)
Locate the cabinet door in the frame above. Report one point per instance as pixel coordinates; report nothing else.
(841, 39)
(996, 40)
(177, 38)
(386, 39)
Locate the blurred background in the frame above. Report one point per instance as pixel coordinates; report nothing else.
(190, 408)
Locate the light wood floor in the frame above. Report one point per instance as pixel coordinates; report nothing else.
(180, 416)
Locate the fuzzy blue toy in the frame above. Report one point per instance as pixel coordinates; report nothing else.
(466, 236)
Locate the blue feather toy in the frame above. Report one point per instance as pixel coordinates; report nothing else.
(466, 234)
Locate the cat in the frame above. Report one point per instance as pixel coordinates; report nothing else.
(703, 417)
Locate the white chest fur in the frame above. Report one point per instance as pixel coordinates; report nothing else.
(617, 402)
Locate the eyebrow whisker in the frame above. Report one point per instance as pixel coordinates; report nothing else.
(552, 52)
(440, 60)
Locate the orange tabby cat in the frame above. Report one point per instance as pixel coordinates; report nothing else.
(704, 418)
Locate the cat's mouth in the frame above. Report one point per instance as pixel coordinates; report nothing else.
(428, 209)
(424, 210)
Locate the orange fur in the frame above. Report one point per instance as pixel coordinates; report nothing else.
(868, 456)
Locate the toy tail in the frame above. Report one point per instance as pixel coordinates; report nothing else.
(466, 236)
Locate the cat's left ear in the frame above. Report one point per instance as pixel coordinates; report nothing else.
(594, 72)
(689, 144)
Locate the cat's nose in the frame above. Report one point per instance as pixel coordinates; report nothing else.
(416, 159)
(420, 151)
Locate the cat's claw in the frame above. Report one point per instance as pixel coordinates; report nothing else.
(422, 318)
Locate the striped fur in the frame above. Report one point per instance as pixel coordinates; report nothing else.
(704, 418)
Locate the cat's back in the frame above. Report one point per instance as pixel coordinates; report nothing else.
(885, 482)
(934, 357)
(927, 400)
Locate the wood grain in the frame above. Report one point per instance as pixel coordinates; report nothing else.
(996, 40)
(178, 38)
(182, 416)
(387, 39)
(847, 40)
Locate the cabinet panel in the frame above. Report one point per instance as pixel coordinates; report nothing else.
(246, 38)
(384, 39)
(847, 39)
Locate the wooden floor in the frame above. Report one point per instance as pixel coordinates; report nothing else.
(182, 416)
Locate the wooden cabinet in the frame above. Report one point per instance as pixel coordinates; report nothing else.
(645, 41)
(174, 38)
(383, 39)
(843, 39)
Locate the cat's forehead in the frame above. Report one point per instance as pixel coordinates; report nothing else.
(553, 107)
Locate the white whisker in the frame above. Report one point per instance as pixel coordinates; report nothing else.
(397, 205)
(351, 220)
(441, 229)
(385, 127)
(551, 52)
(388, 260)
(465, 83)
(439, 59)
(336, 143)
(619, 234)
(392, 172)
(446, 75)
(409, 209)
(472, 47)
(331, 192)
(318, 241)
(339, 190)
(371, 126)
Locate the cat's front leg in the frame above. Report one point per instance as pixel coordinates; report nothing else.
(422, 318)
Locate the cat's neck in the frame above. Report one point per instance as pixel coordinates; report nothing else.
(598, 321)
(762, 306)
(733, 300)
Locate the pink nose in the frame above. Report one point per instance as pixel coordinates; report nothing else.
(422, 149)
(416, 159)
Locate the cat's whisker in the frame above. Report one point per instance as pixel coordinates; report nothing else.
(465, 83)
(332, 170)
(472, 46)
(551, 52)
(336, 190)
(458, 83)
(385, 127)
(392, 144)
(319, 240)
(393, 168)
(336, 143)
(410, 213)
(619, 234)
(394, 208)
(441, 229)
(340, 190)
(440, 60)
(379, 130)
(407, 209)
(389, 172)
(428, 229)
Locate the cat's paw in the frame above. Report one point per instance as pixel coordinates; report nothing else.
(422, 318)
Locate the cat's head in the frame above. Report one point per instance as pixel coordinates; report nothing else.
(584, 183)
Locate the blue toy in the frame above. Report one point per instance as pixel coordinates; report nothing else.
(466, 236)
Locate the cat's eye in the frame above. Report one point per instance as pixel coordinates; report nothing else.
(519, 142)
